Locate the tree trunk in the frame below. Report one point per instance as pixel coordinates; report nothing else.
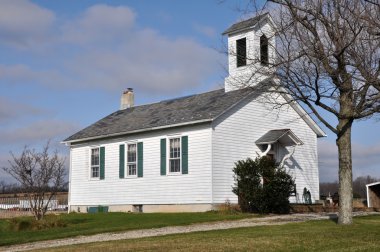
(345, 172)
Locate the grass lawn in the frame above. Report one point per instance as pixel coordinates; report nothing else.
(86, 224)
(364, 235)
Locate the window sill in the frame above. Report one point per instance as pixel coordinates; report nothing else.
(130, 177)
(174, 173)
(240, 67)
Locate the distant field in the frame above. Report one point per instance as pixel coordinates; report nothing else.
(12, 195)
(364, 235)
(87, 224)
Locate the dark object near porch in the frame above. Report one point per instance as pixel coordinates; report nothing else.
(306, 196)
(335, 199)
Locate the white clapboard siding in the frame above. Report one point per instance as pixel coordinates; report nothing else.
(152, 188)
(234, 136)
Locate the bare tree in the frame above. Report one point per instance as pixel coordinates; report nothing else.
(40, 174)
(359, 185)
(328, 188)
(327, 58)
(3, 187)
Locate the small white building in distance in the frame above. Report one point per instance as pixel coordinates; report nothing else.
(177, 155)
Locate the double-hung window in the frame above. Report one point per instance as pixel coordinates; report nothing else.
(95, 164)
(175, 155)
(132, 159)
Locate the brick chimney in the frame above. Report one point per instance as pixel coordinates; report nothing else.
(127, 99)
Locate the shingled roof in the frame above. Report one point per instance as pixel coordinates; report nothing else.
(169, 113)
(244, 24)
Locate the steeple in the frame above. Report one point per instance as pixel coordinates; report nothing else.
(251, 52)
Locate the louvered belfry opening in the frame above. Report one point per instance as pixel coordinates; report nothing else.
(241, 52)
(264, 53)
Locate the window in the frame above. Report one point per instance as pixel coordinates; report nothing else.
(95, 167)
(175, 155)
(174, 152)
(241, 52)
(264, 54)
(132, 159)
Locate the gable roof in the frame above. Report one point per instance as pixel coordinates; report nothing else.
(186, 110)
(282, 135)
(245, 24)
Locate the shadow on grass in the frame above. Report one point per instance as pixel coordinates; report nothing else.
(333, 217)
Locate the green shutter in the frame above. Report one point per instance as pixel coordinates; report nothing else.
(121, 160)
(102, 156)
(185, 155)
(163, 156)
(140, 160)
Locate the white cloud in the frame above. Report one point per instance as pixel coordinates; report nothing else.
(164, 16)
(149, 62)
(24, 75)
(114, 53)
(16, 73)
(39, 131)
(99, 22)
(205, 30)
(23, 23)
(10, 110)
(138, 58)
(365, 158)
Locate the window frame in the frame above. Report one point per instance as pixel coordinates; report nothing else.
(168, 158)
(91, 177)
(126, 170)
(241, 60)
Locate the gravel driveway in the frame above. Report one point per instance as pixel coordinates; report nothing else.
(264, 221)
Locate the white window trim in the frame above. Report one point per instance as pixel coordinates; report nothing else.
(126, 175)
(168, 172)
(90, 177)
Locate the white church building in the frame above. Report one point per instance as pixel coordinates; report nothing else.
(178, 154)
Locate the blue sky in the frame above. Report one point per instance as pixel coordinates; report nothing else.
(64, 65)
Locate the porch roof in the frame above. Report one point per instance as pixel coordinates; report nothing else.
(284, 136)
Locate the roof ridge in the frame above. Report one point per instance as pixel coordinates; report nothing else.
(170, 99)
(238, 25)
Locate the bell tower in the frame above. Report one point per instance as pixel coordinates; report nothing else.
(251, 51)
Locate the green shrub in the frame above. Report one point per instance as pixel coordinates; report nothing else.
(22, 224)
(261, 186)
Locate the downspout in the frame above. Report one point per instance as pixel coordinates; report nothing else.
(262, 155)
(266, 151)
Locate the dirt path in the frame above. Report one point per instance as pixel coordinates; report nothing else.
(265, 221)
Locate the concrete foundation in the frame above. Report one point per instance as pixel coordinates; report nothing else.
(150, 208)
